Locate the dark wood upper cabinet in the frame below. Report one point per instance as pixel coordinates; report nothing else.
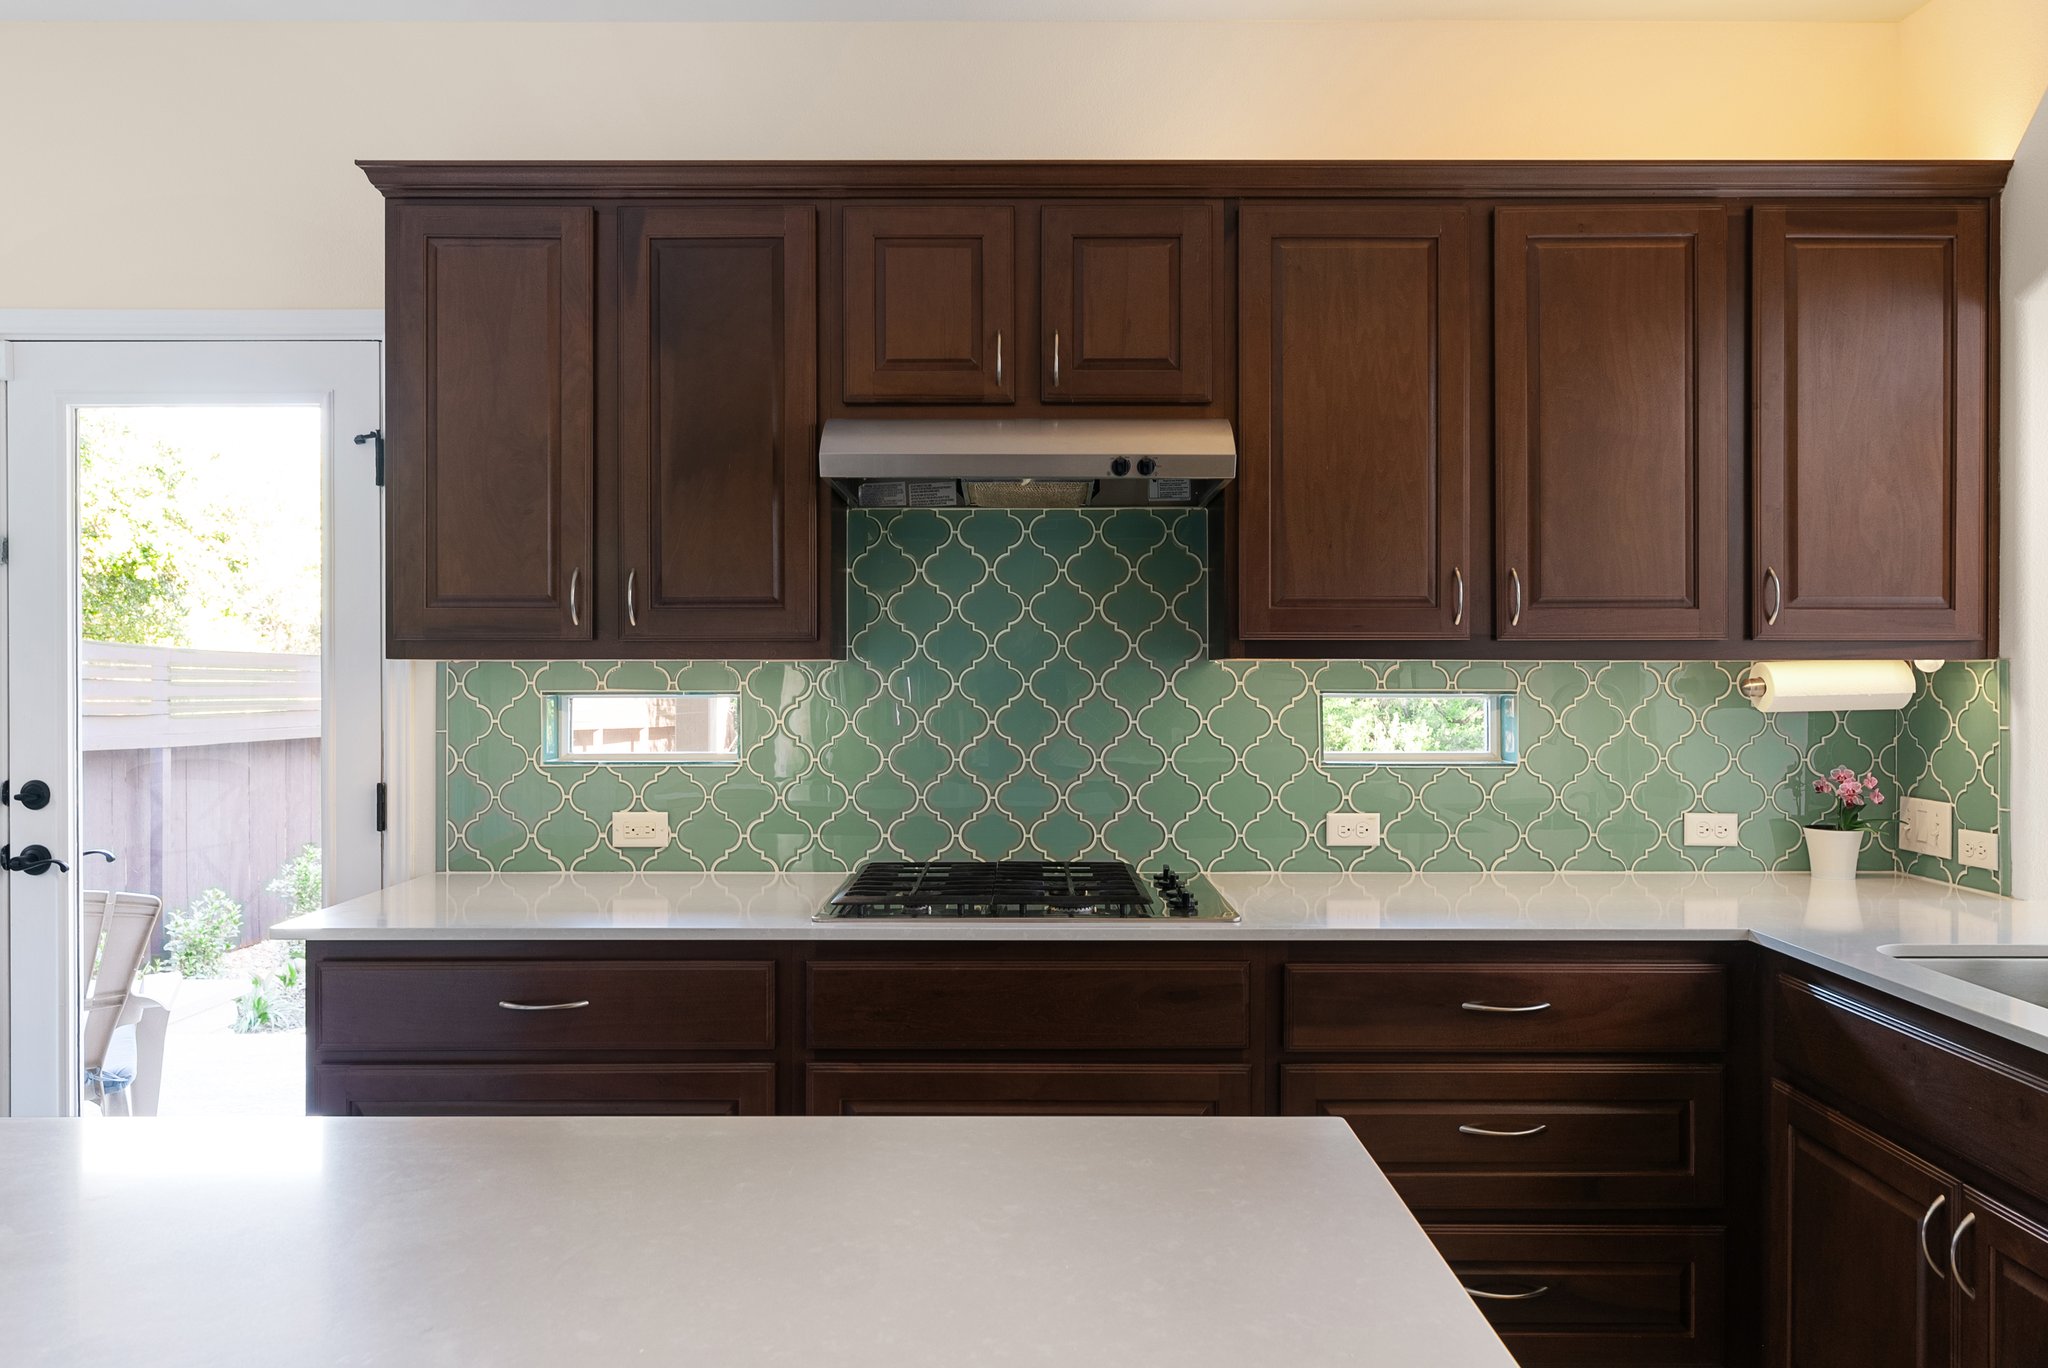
(721, 531)
(1611, 415)
(929, 303)
(1354, 491)
(1128, 299)
(490, 426)
(1871, 426)
(1857, 1226)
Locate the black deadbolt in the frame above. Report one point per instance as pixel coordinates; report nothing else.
(34, 795)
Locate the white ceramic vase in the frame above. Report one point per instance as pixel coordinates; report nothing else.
(1831, 854)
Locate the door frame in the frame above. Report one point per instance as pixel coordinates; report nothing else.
(408, 694)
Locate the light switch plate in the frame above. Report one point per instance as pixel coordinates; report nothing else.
(1712, 829)
(1925, 827)
(1353, 829)
(639, 830)
(1978, 849)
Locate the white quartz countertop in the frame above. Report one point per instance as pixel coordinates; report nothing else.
(1841, 926)
(896, 1242)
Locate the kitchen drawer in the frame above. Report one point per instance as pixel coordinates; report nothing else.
(1594, 1135)
(1649, 1297)
(542, 1090)
(449, 1006)
(979, 1005)
(1550, 1008)
(1028, 1090)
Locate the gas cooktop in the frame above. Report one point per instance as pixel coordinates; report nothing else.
(1023, 890)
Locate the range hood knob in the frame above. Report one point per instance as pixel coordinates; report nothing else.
(1146, 465)
(1120, 467)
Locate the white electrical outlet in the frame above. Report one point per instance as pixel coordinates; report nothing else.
(1356, 829)
(639, 830)
(1712, 829)
(1978, 848)
(1925, 825)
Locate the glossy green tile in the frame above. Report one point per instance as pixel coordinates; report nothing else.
(1030, 682)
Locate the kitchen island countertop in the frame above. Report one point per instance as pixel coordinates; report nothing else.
(758, 1241)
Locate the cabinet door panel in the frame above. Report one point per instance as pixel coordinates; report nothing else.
(721, 528)
(1871, 431)
(542, 1090)
(1128, 293)
(1611, 384)
(930, 303)
(1849, 1284)
(1354, 494)
(491, 429)
(2005, 1256)
(1028, 1090)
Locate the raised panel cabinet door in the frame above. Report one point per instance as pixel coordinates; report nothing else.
(490, 478)
(1858, 1234)
(1611, 413)
(1128, 293)
(929, 303)
(1354, 490)
(2004, 1259)
(1871, 432)
(723, 537)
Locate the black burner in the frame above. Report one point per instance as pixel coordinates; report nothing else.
(996, 888)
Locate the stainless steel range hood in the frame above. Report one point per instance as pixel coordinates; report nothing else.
(1027, 462)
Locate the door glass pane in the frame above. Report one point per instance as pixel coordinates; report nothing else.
(200, 592)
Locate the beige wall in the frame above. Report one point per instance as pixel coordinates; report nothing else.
(1971, 72)
(194, 165)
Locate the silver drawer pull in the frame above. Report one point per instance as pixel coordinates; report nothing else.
(1530, 1294)
(544, 1006)
(1501, 1134)
(1955, 1267)
(1489, 1007)
(1927, 1218)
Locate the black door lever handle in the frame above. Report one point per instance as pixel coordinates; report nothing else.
(34, 859)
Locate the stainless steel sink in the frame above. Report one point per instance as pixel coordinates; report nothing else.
(2018, 971)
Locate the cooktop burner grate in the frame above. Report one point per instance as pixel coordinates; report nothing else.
(996, 888)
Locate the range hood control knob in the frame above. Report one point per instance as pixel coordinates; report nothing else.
(1120, 467)
(1146, 465)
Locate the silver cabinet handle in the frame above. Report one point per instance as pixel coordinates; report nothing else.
(999, 357)
(1501, 1134)
(1530, 1295)
(1774, 596)
(575, 612)
(1927, 1218)
(1515, 605)
(545, 1006)
(1489, 1007)
(1055, 358)
(1955, 1268)
(1458, 592)
(632, 613)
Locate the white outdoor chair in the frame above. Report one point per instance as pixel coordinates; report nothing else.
(115, 931)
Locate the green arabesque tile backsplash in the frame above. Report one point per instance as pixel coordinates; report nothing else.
(1023, 683)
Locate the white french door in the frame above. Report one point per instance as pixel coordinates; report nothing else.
(63, 397)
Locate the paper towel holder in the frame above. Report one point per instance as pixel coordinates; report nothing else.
(1752, 686)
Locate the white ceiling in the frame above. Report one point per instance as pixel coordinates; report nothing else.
(605, 10)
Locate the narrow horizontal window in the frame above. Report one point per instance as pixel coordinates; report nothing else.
(642, 728)
(1419, 729)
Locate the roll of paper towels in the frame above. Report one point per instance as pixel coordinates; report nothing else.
(1829, 685)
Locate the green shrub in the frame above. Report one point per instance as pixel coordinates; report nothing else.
(298, 883)
(252, 1009)
(198, 938)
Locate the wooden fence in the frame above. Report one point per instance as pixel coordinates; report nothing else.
(201, 770)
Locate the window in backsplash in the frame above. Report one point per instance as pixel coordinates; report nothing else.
(641, 728)
(1419, 729)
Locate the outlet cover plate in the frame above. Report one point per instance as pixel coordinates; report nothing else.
(1926, 826)
(1356, 830)
(1978, 849)
(1712, 829)
(639, 830)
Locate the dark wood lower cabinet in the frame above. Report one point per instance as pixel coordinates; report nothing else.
(2004, 1256)
(1028, 1090)
(542, 1090)
(1573, 1296)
